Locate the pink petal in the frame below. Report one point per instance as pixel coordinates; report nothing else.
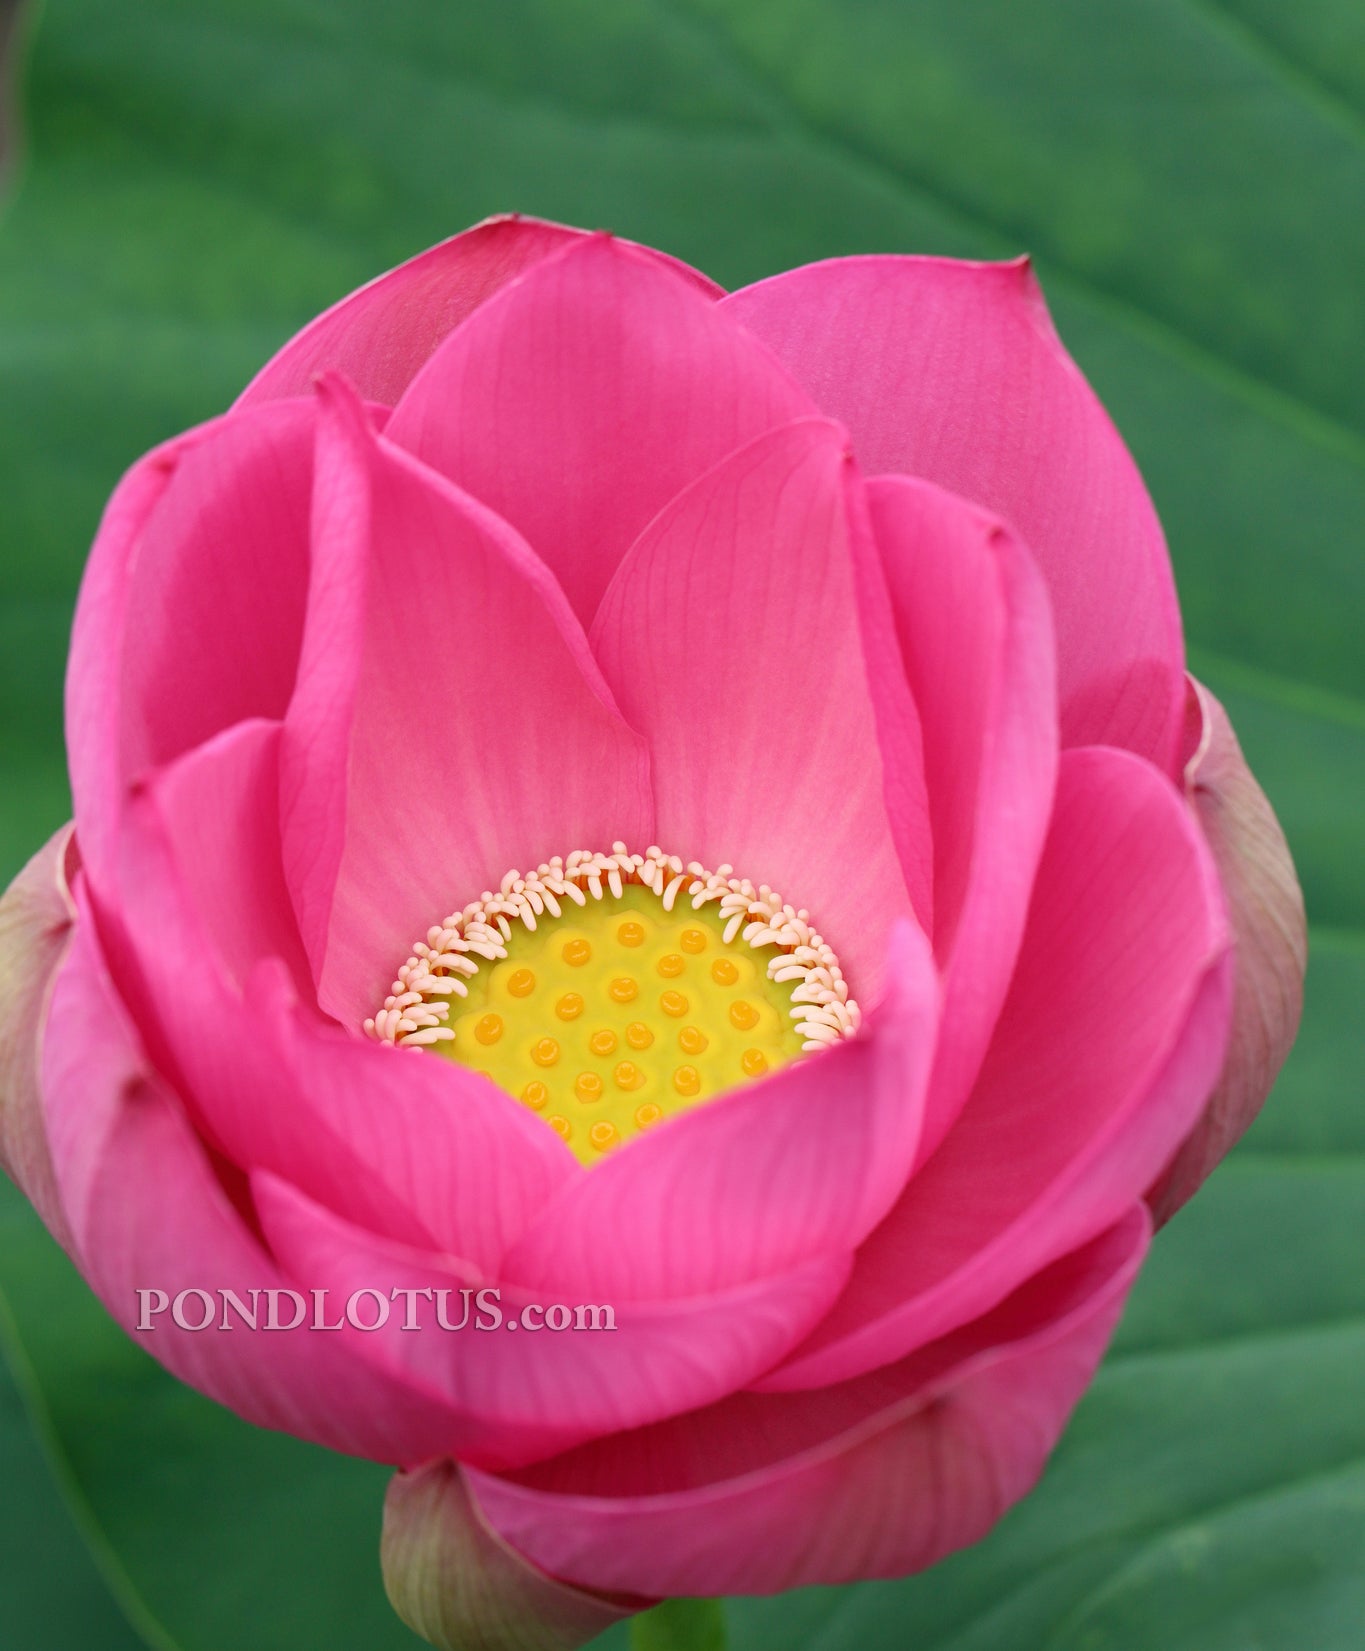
(1271, 937)
(36, 915)
(219, 808)
(93, 699)
(731, 638)
(975, 635)
(952, 371)
(381, 335)
(422, 1149)
(875, 1479)
(191, 611)
(455, 1582)
(449, 722)
(538, 1391)
(758, 1181)
(148, 1212)
(1109, 1042)
(579, 400)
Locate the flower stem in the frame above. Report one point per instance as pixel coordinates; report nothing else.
(680, 1625)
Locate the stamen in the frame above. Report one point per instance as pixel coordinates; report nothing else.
(439, 968)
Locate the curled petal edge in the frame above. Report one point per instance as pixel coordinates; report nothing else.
(36, 917)
(1270, 937)
(459, 1585)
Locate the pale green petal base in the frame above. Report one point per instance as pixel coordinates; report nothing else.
(455, 1582)
(1270, 933)
(36, 915)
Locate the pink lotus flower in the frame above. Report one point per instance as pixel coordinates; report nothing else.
(536, 553)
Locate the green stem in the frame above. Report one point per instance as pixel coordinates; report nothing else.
(680, 1625)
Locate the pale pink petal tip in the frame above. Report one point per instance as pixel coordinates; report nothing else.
(455, 1582)
(36, 915)
(383, 333)
(1265, 905)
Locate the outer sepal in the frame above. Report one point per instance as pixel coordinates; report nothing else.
(455, 1582)
(1270, 931)
(36, 915)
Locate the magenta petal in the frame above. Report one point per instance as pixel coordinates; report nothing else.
(219, 808)
(539, 1391)
(147, 1212)
(761, 1180)
(975, 635)
(94, 739)
(381, 335)
(449, 723)
(873, 1479)
(952, 371)
(1108, 1044)
(581, 398)
(1266, 907)
(424, 1150)
(731, 638)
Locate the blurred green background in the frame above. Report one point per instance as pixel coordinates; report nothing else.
(197, 179)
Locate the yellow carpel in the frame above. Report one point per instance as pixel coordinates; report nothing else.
(632, 1015)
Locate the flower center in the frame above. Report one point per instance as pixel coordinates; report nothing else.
(608, 992)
